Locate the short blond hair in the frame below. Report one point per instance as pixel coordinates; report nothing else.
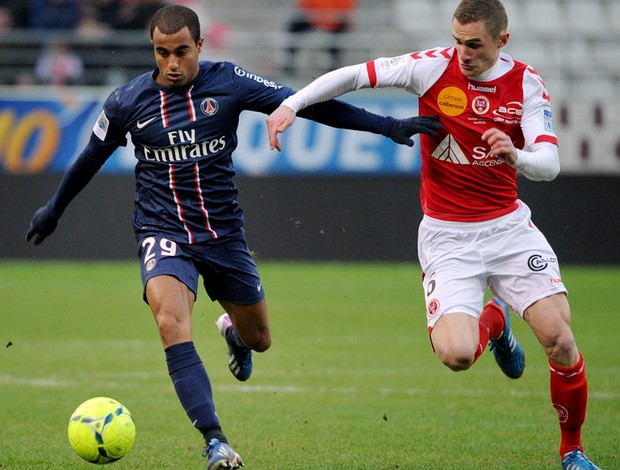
(492, 12)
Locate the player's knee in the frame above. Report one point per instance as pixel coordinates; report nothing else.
(458, 363)
(173, 330)
(457, 359)
(264, 344)
(562, 349)
(259, 341)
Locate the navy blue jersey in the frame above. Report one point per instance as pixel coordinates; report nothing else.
(184, 140)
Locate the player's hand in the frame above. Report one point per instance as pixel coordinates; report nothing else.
(42, 225)
(277, 122)
(501, 145)
(403, 129)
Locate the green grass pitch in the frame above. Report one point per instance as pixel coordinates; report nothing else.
(349, 383)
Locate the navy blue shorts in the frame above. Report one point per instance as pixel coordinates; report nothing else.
(226, 265)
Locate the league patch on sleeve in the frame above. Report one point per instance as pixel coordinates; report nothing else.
(392, 62)
(548, 120)
(101, 126)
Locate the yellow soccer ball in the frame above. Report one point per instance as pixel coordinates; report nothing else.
(101, 430)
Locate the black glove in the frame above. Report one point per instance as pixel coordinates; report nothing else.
(403, 129)
(43, 223)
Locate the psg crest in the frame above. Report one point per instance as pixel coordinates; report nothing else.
(209, 106)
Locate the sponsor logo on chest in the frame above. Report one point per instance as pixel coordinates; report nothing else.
(184, 146)
(453, 101)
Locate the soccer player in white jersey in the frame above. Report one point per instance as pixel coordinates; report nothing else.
(475, 232)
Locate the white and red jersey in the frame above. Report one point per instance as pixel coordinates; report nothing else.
(461, 180)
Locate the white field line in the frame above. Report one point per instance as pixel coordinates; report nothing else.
(386, 391)
(48, 382)
(115, 381)
(125, 379)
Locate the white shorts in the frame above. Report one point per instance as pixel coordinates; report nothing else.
(509, 255)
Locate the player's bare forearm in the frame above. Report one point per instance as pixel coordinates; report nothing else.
(277, 122)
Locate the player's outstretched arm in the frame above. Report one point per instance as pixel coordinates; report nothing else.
(316, 102)
(277, 122)
(45, 219)
(400, 130)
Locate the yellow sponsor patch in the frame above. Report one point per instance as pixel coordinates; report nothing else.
(452, 101)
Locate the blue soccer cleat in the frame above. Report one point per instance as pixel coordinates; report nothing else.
(508, 353)
(221, 456)
(239, 357)
(577, 460)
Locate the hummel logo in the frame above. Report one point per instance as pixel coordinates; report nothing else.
(140, 125)
(449, 151)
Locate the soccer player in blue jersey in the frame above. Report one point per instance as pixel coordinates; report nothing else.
(182, 119)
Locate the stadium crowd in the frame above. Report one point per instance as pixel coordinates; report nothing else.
(573, 44)
(88, 17)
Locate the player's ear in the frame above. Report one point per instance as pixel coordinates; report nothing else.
(503, 39)
(199, 44)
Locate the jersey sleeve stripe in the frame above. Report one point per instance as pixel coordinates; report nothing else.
(372, 73)
(547, 138)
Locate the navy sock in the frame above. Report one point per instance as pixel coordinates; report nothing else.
(193, 388)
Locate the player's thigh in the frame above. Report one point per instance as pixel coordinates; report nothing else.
(454, 274)
(167, 295)
(170, 282)
(231, 277)
(454, 292)
(171, 303)
(548, 316)
(549, 319)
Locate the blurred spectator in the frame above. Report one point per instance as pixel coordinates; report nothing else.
(19, 12)
(59, 65)
(332, 16)
(107, 11)
(98, 18)
(6, 19)
(136, 14)
(54, 14)
(215, 33)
